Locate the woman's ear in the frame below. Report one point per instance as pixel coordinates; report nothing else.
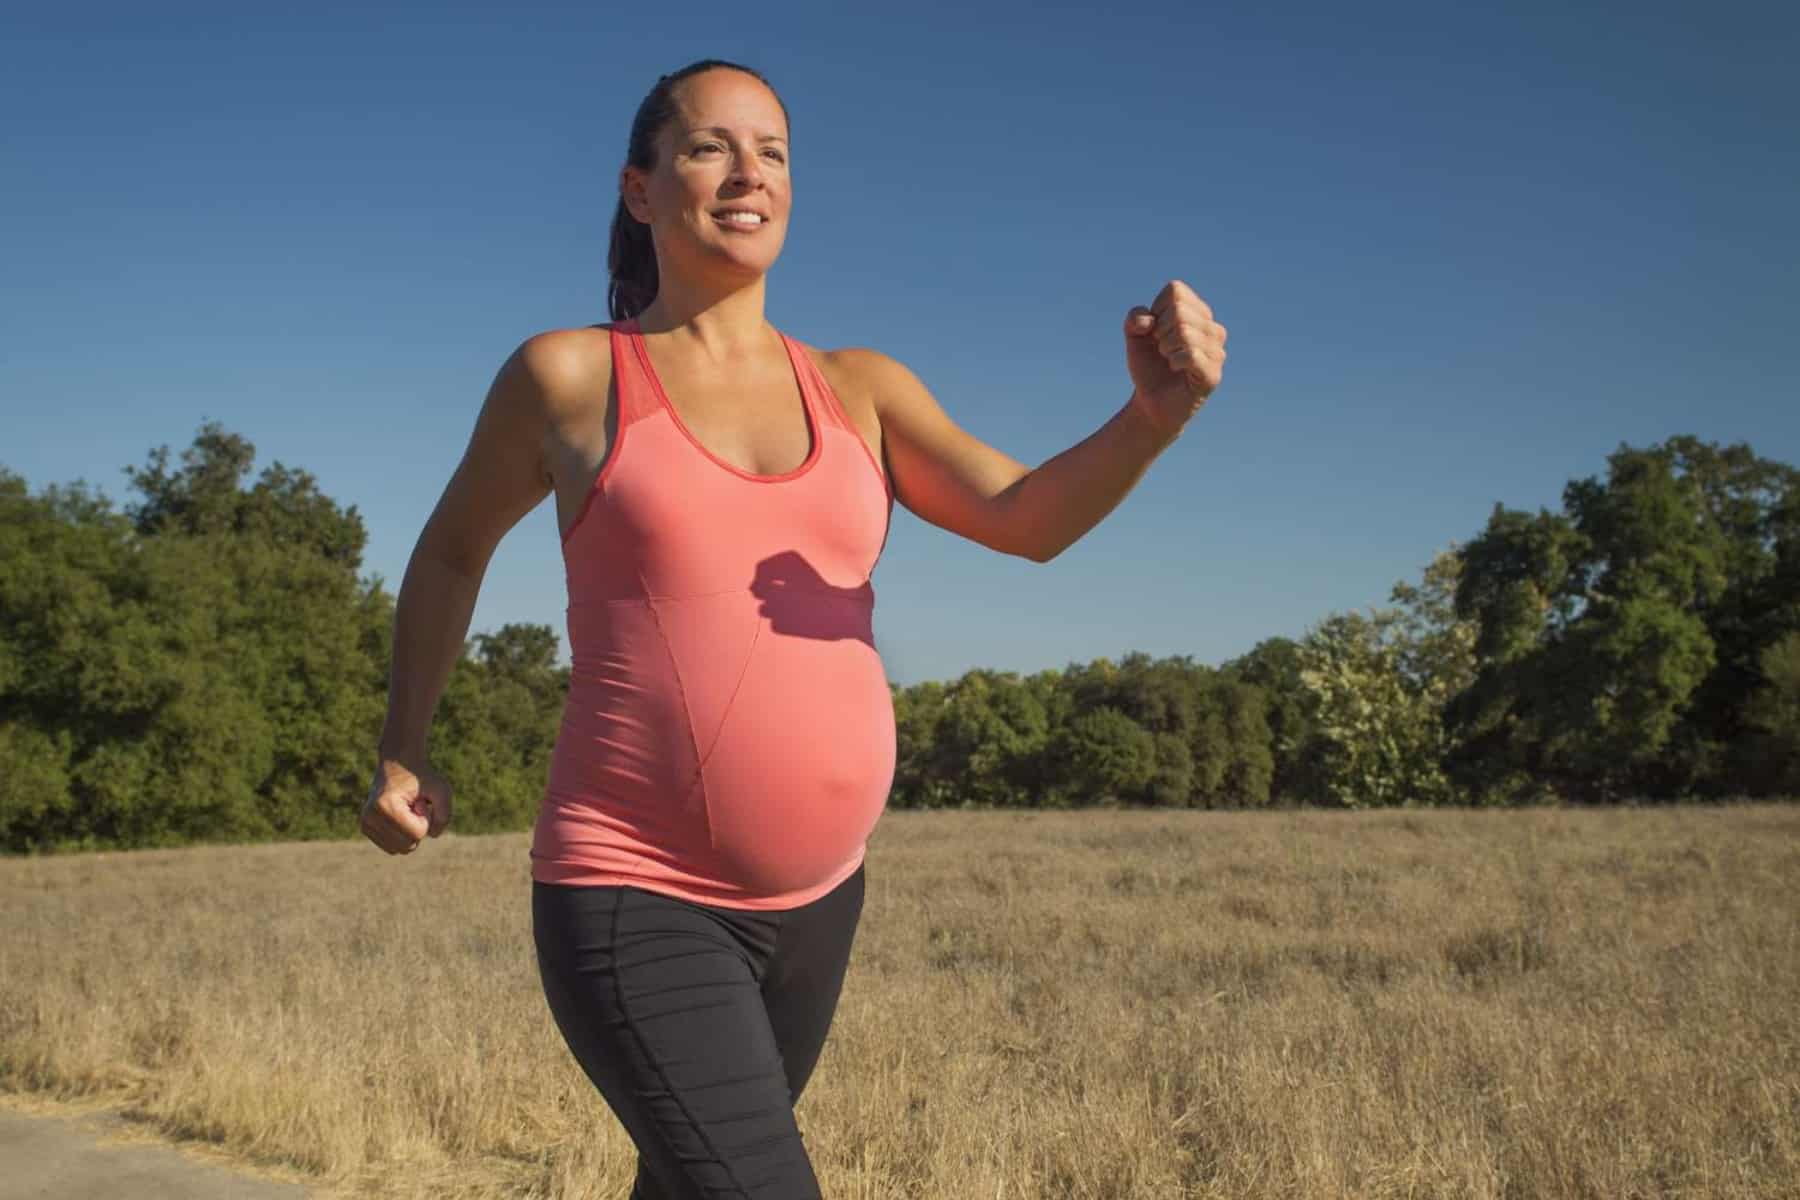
(631, 192)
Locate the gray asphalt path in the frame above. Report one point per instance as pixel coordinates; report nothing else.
(47, 1155)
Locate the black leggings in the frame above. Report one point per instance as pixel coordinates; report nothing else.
(699, 1025)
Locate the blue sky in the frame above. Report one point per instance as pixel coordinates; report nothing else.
(1464, 253)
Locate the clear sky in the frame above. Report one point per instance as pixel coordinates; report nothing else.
(1464, 252)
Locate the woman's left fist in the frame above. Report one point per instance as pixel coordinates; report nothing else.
(1176, 354)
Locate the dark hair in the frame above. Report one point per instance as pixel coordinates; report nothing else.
(631, 259)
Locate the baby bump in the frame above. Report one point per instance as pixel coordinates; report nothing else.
(800, 766)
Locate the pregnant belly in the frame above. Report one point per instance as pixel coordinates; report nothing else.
(732, 745)
(801, 766)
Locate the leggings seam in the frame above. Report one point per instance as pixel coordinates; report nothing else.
(644, 1049)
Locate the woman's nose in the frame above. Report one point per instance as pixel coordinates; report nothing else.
(747, 171)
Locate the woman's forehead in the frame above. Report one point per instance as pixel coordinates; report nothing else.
(725, 99)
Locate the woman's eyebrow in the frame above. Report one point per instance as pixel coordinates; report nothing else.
(766, 137)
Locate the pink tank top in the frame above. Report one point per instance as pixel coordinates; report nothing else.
(728, 736)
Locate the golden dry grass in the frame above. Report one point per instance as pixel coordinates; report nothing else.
(1092, 1005)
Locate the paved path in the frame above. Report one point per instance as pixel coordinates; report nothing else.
(93, 1154)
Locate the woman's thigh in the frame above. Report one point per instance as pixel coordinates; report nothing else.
(805, 975)
(662, 1007)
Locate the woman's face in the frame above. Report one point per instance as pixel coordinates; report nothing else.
(726, 148)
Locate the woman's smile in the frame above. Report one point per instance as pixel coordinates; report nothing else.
(741, 222)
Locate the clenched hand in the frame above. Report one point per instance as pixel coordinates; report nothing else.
(408, 801)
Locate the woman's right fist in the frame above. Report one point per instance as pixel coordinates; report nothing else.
(408, 801)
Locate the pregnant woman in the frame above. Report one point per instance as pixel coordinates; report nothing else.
(727, 744)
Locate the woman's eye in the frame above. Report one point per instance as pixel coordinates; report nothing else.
(774, 154)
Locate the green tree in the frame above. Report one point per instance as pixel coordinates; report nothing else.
(186, 671)
(284, 507)
(916, 713)
(1619, 640)
(987, 729)
(1773, 715)
(495, 728)
(1101, 757)
(1385, 739)
(1297, 749)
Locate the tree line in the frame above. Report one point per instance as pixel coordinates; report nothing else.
(208, 663)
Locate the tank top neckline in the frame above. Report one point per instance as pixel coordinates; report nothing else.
(814, 426)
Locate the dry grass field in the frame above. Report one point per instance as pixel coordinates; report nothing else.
(1092, 1005)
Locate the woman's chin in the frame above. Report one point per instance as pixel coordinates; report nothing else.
(759, 260)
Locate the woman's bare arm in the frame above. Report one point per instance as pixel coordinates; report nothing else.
(501, 478)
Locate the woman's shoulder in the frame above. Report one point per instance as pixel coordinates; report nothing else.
(850, 367)
(863, 372)
(860, 361)
(568, 364)
(571, 348)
